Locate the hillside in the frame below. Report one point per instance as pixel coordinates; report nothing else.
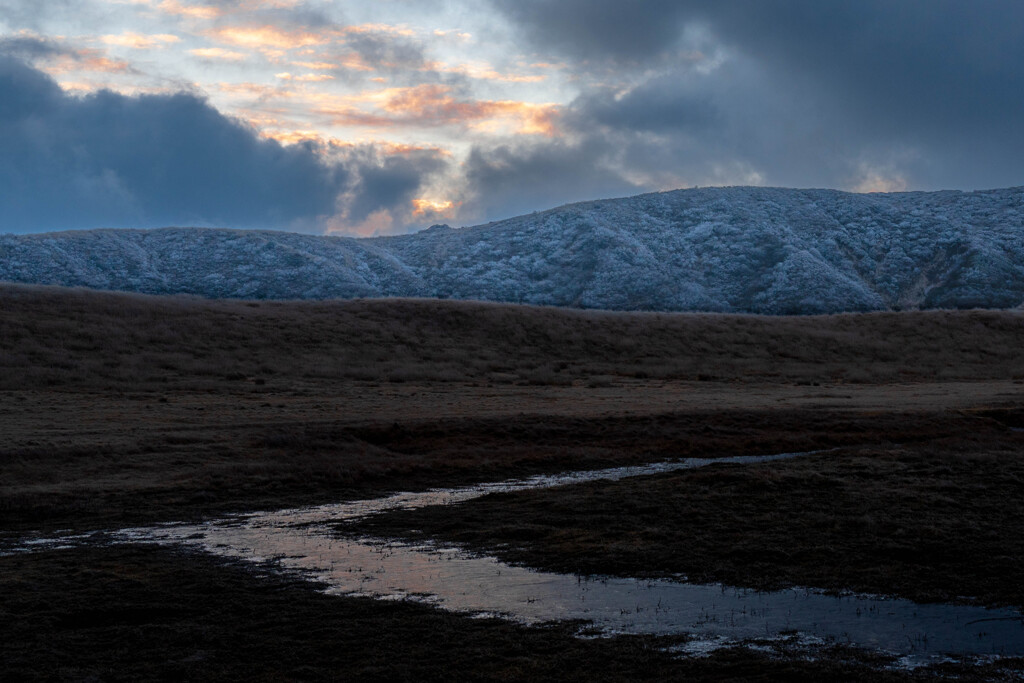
(56, 337)
(756, 250)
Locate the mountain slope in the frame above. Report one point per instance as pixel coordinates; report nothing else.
(760, 250)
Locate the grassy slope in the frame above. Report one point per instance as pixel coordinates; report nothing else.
(53, 337)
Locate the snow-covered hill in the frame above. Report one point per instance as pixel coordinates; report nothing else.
(761, 250)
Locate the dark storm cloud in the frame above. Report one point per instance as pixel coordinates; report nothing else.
(506, 181)
(808, 91)
(599, 29)
(110, 160)
(664, 104)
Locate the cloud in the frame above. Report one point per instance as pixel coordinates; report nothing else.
(384, 48)
(179, 9)
(435, 105)
(484, 72)
(304, 78)
(139, 41)
(386, 184)
(509, 180)
(219, 53)
(33, 14)
(108, 160)
(268, 36)
(599, 30)
(59, 57)
(865, 93)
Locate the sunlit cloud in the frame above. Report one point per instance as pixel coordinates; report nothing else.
(354, 61)
(267, 4)
(434, 208)
(89, 86)
(453, 33)
(255, 90)
(268, 36)
(219, 53)
(85, 60)
(379, 28)
(58, 57)
(270, 123)
(316, 66)
(305, 78)
(139, 41)
(175, 8)
(290, 137)
(434, 105)
(402, 148)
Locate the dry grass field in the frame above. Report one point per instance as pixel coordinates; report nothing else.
(122, 408)
(67, 338)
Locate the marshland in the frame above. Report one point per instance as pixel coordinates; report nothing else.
(125, 410)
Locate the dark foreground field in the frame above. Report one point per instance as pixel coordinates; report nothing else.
(935, 521)
(120, 409)
(133, 613)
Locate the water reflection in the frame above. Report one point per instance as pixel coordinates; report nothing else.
(303, 540)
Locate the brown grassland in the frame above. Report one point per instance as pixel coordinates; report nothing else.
(119, 409)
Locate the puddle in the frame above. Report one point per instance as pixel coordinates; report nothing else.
(303, 540)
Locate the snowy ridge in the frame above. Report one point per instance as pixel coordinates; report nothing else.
(758, 250)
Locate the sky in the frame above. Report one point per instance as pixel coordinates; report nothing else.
(384, 117)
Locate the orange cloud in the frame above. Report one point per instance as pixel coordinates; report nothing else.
(268, 37)
(306, 78)
(273, 128)
(86, 60)
(379, 28)
(194, 11)
(175, 8)
(354, 62)
(139, 41)
(256, 90)
(219, 53)
(435, 208)
(206, 11)
(290, 137)
(267, 4)
(322, 66)
(434, 105)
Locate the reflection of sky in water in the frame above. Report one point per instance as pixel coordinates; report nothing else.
(303, 540)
